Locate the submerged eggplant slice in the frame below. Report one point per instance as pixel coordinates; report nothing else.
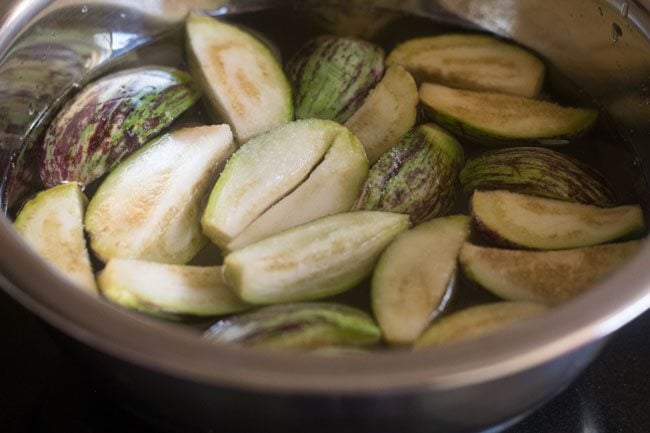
(495, 120)
(477, 321)
(290, 175)
(411, 280)
(418, 176)
(169, 291)
(149, 207)
(303, 326)
(537, 171)
(473, 62)
(511, 219)
(331, 188)
(332, 76)
(545, 277)
(244, 83)
(388, 113)
(111, 118)
(52, 224)
(312, 261)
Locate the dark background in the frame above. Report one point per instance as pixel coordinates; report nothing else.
(44, 391)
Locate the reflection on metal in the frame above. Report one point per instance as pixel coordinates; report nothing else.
(51, 60)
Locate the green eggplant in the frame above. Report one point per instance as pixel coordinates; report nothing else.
(418, 176)
(472, 62)
(332, 76)
(537, 171)
(305, 326)
(111, 118)
(498, 120)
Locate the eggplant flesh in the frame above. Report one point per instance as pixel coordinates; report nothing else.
(509, 219)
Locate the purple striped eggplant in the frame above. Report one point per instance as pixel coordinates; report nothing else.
(418, 176)
(537, 171)
(111, 118)
(332, 76)
(299, 326)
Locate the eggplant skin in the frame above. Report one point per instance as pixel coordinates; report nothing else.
(418, 176)
(111, 118)
(537, 171)
(298, 326)
(332, 76)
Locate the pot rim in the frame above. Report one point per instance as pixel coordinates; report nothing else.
(177, 352)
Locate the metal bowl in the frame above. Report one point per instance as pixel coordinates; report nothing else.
(168, 374)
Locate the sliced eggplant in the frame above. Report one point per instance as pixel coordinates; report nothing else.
(168, 291)
(302, 326)
(111, 118)
(332, 76)
(410, 284)
(243, 81)
(418, 176)
(511, 219)
(545, 277)
(477, 321)
(498, 120)
(331, 188)
(312, 261)
(52, 224)
(149, 207)
(473, 62)
(274, 166)
(537, 171)
(388, 113)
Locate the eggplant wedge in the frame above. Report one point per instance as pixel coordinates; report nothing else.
(300, 326)
(418, 176)
(52, 224)
(168, 291)
(318, 259)
(149, 207)
(389, 112)
(411, 283)
(498, 120)
(243, 81)
(510, 219)
(545, 277)
(331, 188)
(537, 171)
(290, 175)
(332, 76)
(111, 118)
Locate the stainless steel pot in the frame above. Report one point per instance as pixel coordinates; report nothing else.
(168, 374)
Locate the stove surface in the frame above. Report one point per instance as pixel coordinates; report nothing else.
(43, 391)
